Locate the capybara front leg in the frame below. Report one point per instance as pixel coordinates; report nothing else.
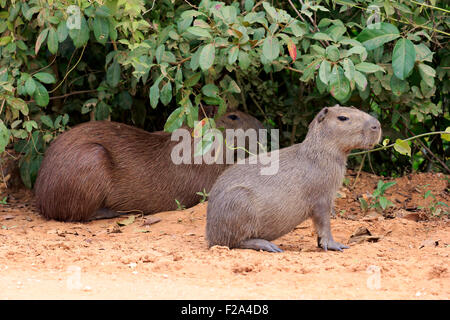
(321, 219)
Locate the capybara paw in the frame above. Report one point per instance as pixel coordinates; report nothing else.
(327, 244)
(259, 244)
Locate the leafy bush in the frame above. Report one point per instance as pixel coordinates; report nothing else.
(156, 63)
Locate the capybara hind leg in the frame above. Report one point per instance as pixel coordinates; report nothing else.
(105, 213)
(259, 244)
(73, 181)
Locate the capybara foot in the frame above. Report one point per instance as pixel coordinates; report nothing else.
(259, 244)
(330, 244)
(105, 213)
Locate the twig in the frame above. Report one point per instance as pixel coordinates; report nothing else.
(258, 105)
(303, 19)
(181, 61)
(153, 4)
(244, 103)
(292, 69)
(359, 171)
(54, 58)
(428, 149)
(3, 104)
(64, 79)
(67, 94)
(393, 144)
(190, 4)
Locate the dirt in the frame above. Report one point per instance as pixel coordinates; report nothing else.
(406, 256)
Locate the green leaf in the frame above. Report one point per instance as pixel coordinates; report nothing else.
(325, 71)
(40, 39)
(402, 147)
(192, 81)
(30, 86)
(377, 34)
(398, 86)
(321, 36)
(423, 53)
(332, 53)
(210, 90)
(166, 93)
(80, 36)
(249, 5)
(446, 136)
(207, 57)
(101, 29)
(368, 67)
(426, 71)
(45, 77)
(19, 104)
(4, 136)
(339, 86)
(244, 60)
(45, 119)
(199, 32)
(102, 111)
(383, 202)
(52, 41)
(349, 69)
(233, 87)
(154, 94)
(271, 48)
(62, 31)
(41, 95)
(361, 81)
(113, 74)
(5, 40)
(175, 120)
(403, 58)
(29, 125)
(233, 55)
(103, 11)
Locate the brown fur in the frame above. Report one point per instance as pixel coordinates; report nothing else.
(108, 165)
(247, 209)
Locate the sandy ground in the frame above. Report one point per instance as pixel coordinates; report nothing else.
(169, 259)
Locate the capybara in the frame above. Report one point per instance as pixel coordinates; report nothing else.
(101, 169)
(248, 210)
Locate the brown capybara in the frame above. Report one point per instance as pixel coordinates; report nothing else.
(248, 210)
(101, 169)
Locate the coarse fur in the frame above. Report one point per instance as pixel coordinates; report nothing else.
(101, 168)
(248, 210)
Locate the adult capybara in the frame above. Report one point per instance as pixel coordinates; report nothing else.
(101, 169)
(248, 210)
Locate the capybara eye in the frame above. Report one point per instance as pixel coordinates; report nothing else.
(343, 118)
(233, 117)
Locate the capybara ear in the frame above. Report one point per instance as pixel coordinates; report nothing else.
(322, 114)
(208, 111)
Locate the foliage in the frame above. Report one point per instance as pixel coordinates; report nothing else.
(154, 62)
(378, 200)
(435, 207)
(204, 195)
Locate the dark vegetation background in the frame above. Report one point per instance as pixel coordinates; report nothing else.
(153, 64)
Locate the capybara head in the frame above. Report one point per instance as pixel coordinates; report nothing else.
(346, 128)
(239, 120)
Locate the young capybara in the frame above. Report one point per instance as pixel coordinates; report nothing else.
(101, 169)
(248, 210)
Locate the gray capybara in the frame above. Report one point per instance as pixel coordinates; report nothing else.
(101, 169)
(248, 210)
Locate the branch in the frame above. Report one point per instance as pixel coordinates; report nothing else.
(67, 95)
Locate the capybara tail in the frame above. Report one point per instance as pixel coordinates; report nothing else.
(73, 181)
